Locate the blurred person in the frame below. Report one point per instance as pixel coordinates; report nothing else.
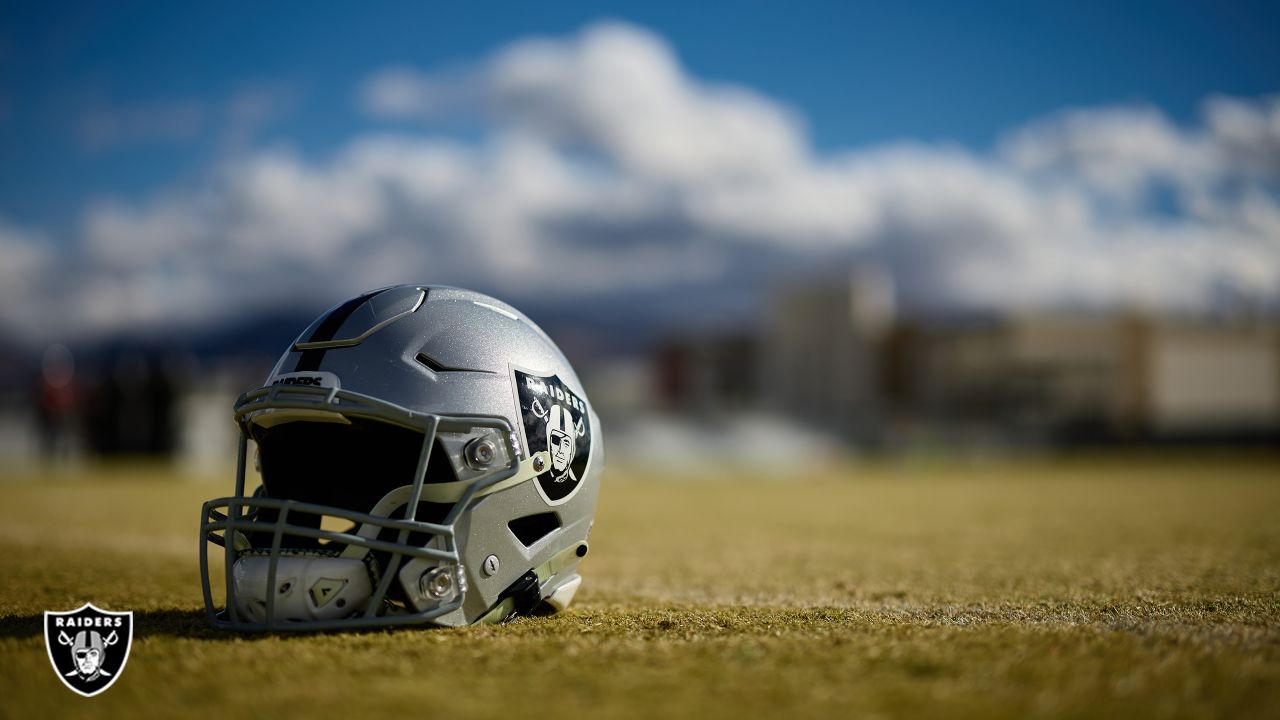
(58, 403)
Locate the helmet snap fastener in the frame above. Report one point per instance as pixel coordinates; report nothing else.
(481, 452)
(436, 582)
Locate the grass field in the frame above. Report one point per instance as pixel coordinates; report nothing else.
(1080, 588)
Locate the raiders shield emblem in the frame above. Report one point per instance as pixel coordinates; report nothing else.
(556, 421)
(88, 647)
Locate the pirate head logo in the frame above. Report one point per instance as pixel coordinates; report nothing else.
(561, 442)
(556, 421)
(88, 647)
(88, 651)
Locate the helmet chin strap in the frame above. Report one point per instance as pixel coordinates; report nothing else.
(450, 492)
(439, 493)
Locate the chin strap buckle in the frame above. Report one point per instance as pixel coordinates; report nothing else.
(525, 594)
(520, 598)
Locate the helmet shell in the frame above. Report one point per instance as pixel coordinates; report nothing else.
(445, 351)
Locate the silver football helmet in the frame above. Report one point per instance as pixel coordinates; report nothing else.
(426, 455)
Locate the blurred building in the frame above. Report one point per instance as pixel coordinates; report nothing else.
(707, 375)
(122, 403)
(1109, 378)
(822, 356)
(838, 357)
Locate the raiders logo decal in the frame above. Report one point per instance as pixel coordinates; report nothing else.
(88, 646)
(556, 421)
(315, 378)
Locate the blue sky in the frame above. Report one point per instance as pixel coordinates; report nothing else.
(859, 73)
(674, 159)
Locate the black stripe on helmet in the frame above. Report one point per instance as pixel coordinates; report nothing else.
(309, 361)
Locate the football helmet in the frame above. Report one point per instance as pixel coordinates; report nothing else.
(421, 454)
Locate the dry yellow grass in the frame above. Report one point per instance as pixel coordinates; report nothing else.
(1086, 588)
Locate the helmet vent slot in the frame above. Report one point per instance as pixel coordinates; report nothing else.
(438, 367)
(532, 528)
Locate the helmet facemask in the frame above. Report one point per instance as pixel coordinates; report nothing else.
(334, 536)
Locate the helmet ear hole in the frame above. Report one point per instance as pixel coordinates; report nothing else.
(532, 528)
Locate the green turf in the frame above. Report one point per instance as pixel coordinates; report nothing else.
(1087, 588)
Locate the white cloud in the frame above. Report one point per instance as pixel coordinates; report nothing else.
(1115, 151)
(251, 109)
(104, 124)
(404, 92)
(25, 267)
(1247, 134)
(620, 91)
(606, 170)
(104, 127)
(25, 259)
